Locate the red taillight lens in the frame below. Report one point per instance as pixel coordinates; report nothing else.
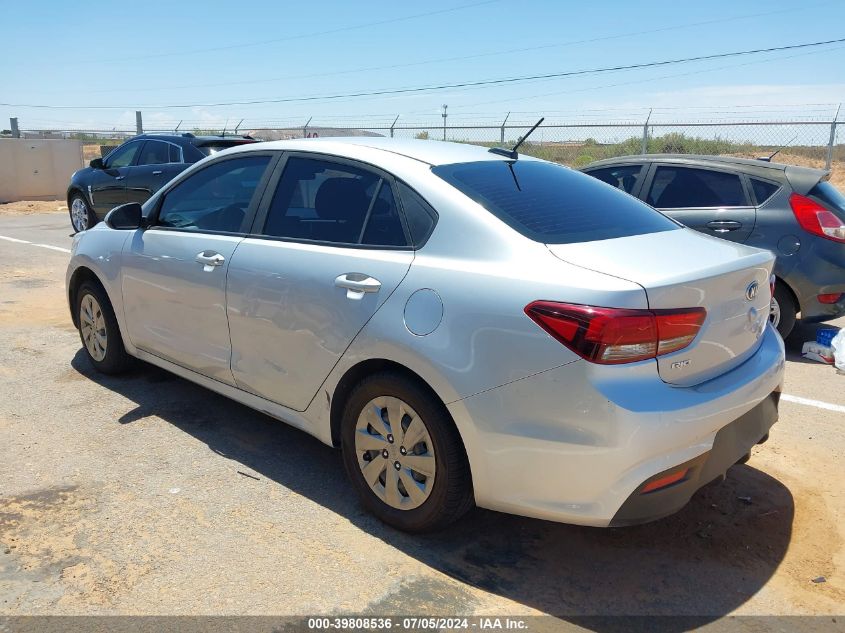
(830, 298)
(815, 219)
(614, 335)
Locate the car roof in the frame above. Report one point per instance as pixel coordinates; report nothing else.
(801, 178)
(191, 138)
(426, 151)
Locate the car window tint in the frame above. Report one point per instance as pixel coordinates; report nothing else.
(123, 156)
(154, 153)
(622, 177)
(418, 214)
(553, 204)
(331, 202)
(384, 226)
(215, 198)
(763, 190)
(679, 187)
(175, 153)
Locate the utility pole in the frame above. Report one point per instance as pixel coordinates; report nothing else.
(444, 120)
(13, 125)
(139, 125)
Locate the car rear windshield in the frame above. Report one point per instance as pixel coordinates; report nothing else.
(218, 146)
(552, 204)
(831, 196)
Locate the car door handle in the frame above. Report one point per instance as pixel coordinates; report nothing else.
(210, 260)
(357, 284)
(119, 177)
(157, 172)
(724, 226)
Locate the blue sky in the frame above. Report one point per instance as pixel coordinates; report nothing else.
(143, 55)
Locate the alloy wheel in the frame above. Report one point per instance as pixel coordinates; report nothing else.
(395, 453)
(774, 312)
(92, 325)
(79, 214)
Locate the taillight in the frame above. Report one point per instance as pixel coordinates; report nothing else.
(830, 298)
(815, 219)
(615, 335)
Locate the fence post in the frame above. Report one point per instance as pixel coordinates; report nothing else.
(305, 127)
(645, 134)
(832, 140)
(503, 128)
(13, 124)
(392, 125)
(139, 125)
(444, 120)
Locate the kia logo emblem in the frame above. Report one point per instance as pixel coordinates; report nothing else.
(752, 290)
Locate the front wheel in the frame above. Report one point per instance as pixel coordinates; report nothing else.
(81, 216)
(99, 331)
(404, 455)
(782, 310)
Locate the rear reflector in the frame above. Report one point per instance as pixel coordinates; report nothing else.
(830, 298)
(610, 336)
(816, 219)
(664, 482)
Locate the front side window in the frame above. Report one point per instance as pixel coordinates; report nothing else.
(215, 198)
(622, 177)
(154, 153)
(332, 202)
(686, 187)
(123, 156)
(553, 204)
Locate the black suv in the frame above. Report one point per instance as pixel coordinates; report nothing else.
(792, 211)
(134, 171)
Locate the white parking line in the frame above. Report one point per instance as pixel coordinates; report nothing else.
(813, 403)
(50, 246)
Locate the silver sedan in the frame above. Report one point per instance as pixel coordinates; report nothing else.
(469, 327)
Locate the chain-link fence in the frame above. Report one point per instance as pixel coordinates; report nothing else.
(811, 143)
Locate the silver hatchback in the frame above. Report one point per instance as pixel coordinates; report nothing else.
(467, 326)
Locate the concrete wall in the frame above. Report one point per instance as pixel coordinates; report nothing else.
(37, 169)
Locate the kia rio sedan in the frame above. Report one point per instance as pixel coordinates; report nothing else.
(467, 327)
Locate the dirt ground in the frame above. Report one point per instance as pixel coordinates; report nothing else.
(27, 207)
(146, 494)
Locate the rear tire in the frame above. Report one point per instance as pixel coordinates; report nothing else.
(783, 310)
(420, 487)
(98, 330)
(81, 216)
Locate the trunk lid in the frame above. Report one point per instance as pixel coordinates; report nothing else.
(685, 269)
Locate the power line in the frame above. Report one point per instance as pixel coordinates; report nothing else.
(440, 60)
(463, 84)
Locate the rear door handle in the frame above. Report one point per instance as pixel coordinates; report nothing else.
(120, 177)
(157, 172)
(724, 226)
(210, 260)
(357, 284)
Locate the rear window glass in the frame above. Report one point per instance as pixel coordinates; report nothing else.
(552, 204)
(831, 196)
(763, 190)
(218, 146)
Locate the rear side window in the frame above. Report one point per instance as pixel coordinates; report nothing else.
(175, 154)
(763, 190)
(333, 202)
(154, 153)
(623, 177)
(552, 204)
(215, 198)
(685, 187)
(420, 216)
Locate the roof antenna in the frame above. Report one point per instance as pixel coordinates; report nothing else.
(511, 153)
(237, 126)
(768, 159)
(176, 129)
(225, 125)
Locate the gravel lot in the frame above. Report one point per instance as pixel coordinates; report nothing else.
(146, 494)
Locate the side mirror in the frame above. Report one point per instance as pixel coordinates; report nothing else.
(97, 163)
(126, 217)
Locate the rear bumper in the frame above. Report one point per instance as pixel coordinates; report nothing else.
(820, 271)
(731, 443)
(574, 443)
